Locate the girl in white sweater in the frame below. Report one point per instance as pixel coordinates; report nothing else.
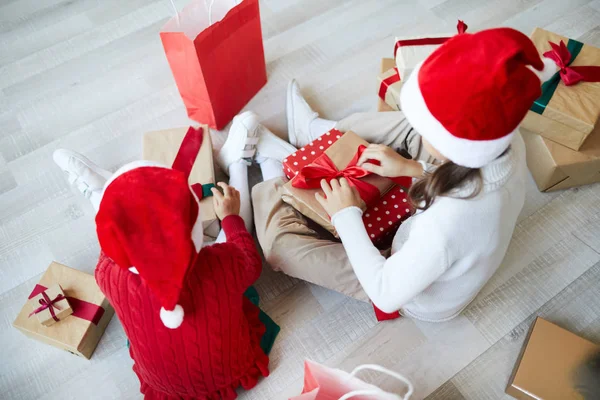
(466, 101)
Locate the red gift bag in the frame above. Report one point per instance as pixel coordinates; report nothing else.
(217, 58)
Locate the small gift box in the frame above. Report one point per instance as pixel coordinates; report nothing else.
(569, 107)
(383, 219)
(80, 333)
(50, 306)
(410, 51)
(386, 64)
(389, 88)
(185, 147)
(333, 155)
(556, 167)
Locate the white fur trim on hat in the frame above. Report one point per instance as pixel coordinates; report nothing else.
(465, 152)
(172, 319)
(550, 68)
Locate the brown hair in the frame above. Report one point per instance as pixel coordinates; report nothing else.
(446, 178)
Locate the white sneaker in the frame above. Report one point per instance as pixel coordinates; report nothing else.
(299, 116)
(240, 145)
(86, 176)
(271, 146)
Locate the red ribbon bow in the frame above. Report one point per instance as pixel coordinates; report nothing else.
(310, 176)
(47, 304)
(571, 75)
(461, 27)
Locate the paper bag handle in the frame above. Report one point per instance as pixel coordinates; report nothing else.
(378, 368)
(208, 8)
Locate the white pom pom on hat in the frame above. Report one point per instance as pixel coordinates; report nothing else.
(550, 68)
(172, 319)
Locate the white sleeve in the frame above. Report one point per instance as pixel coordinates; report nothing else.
(391, 283)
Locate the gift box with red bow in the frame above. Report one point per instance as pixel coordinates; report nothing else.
(410, 51)
(569, 108)
(80, 332)
(50, 306)
(334, 155)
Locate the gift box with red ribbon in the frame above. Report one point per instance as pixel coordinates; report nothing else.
(389, 87)
(410, 51)
(334, 155)
(80, 332)
(50, 306)
(189, 150)
(568, 110)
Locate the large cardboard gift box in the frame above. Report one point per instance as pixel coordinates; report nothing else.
(566, 114)
(80, 332)
(164, 146)
(556, 167)
(548, 365)
(381, 218)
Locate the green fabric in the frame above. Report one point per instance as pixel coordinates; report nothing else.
(549, 87)
(268, 339)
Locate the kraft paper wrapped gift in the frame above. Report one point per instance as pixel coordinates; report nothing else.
(556, 167)
(50, 306)
(340, 149)
(80, 332)
(410, 51)
(566, 114)
(163, 147)
(386, 64)
(390, 84)
(548, 365)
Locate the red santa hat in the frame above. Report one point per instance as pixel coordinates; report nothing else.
(149, 222)
(468, 98)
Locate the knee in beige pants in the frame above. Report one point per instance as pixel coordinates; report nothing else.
(291, 246)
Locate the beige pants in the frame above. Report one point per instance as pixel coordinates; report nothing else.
(294, 245)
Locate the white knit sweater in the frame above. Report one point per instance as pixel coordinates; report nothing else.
(442, 257)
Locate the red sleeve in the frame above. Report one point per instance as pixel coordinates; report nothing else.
(251, 263)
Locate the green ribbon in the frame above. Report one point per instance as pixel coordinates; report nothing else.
(206, 189)
(550, 86)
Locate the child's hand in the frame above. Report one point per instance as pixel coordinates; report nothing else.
(392, 164)
(338, 195)
(227, 203)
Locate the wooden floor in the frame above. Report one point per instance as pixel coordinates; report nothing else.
(91, 75)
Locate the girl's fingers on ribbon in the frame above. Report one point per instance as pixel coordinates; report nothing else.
(370, 154)
(322, 200)
(344, 183)
(217, 196)
(226, 188)
(326, 187)
(335, 185)
(376, 169)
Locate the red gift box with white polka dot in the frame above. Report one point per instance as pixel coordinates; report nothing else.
(309, 153)
(383, 219)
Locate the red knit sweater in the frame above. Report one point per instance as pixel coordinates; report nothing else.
(216, 349)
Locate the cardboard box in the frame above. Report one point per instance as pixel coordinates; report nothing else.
(390, 85)
(572, 112)
(50, 306)
(79, 333)
(340, 148)
(386, 64)
(546, 366)
(556, 167)
(163, 146)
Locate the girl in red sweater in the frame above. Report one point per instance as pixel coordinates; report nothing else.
(193, 332)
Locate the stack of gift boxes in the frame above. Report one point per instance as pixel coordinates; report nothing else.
(561, 131)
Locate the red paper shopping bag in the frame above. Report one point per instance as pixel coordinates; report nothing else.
(217, 58)
(325, 383)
